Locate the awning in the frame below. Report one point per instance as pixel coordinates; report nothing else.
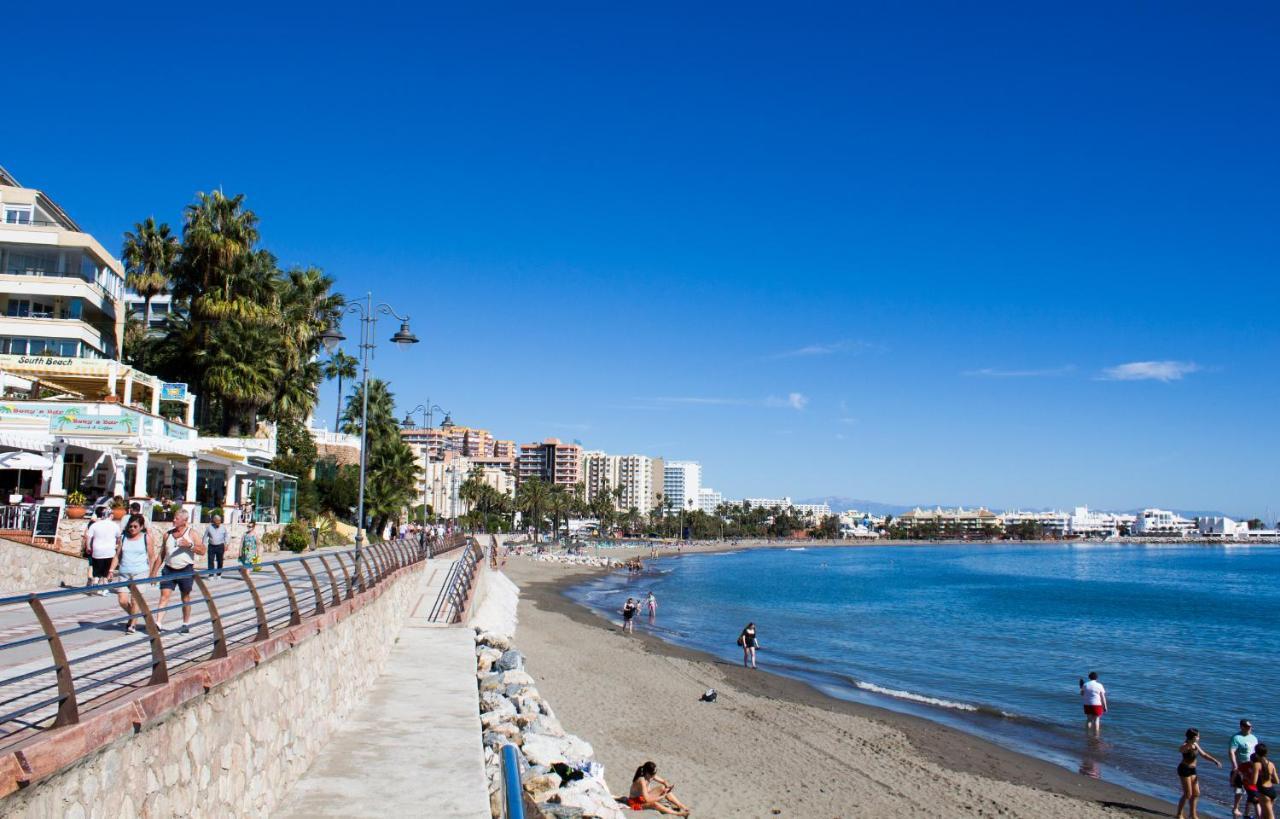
(24, 460)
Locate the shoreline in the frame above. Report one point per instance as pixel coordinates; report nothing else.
(950, 749)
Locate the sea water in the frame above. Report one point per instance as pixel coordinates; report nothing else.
(994, 639)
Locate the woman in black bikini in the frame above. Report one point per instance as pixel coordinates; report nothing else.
(1265, 781)
(628, 614)
(1187, 774)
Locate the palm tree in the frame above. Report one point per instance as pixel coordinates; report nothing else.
(559, 503)
(532, 498)
(150, 252)
(341, 366)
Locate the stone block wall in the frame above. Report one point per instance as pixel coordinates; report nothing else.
(26, 568)
(237, 748)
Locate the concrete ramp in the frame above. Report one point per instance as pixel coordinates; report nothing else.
(413, 747)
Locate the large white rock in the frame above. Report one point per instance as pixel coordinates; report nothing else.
(541, 749)
(516, 678)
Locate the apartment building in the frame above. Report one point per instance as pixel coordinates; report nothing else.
(161, 307)
(681, 481)
(709, 500)
(551, 461)
(1162, 523)
(61, 292)
(600, 472)
(958, 522)
(641, 479)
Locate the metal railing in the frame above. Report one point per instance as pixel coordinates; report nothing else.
(18, 517)
(87, 665)
(451, 603)
(512, 790)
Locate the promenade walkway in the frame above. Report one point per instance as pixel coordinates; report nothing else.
(412, 748)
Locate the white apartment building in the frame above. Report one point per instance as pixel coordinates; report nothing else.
(1050, 524)
(161, 306)
(681, 481)
(641, 479)
(1221, 527)
(61, 292)
(601, 472)
(709, 500)
(1162, 523)
(813, 512)
(768, 503)
(1086, 523)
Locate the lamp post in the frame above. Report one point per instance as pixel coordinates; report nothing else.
(428, 415)
(331, 338)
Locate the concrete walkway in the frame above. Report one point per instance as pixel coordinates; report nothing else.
(413, 747)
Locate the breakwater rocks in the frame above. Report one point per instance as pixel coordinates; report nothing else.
(577, 560)
(562, 778)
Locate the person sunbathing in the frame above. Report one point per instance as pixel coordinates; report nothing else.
(651, 792)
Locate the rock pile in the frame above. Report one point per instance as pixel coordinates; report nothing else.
(576, 560)
(512, 711)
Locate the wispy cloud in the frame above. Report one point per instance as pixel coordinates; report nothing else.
(1047, 372)
(1165, 371)
(821, 348)
(848, 420)
(793, 400)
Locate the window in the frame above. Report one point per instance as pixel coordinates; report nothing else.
(17, 214)
(18, 308)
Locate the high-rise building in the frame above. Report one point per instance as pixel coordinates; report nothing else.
(61, 292)
(551, 461)
(681, 481)
(641, 480)
(600, 472)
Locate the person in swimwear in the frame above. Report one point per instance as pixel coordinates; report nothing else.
(1188, 776)
(629, 614)
(650, 791)
(1263, 776)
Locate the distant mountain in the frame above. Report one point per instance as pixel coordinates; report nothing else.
(839, 504)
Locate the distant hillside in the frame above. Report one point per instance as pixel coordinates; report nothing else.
(839, 504)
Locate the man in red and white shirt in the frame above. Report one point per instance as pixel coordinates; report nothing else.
(1095, 703)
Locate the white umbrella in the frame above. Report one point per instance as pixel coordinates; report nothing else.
(24, 460)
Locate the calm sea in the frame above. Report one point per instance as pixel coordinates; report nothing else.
(993, 639)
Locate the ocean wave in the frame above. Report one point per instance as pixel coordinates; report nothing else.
(914, 697)
(797, 549)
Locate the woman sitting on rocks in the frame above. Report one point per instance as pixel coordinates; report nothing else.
(650, 791)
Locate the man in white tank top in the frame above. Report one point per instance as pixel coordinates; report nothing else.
(178, 553)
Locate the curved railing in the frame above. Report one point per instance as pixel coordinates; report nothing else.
(69, 657)
(451, 603)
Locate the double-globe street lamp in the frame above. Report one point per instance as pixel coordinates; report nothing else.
(428, 415)
(403, 339)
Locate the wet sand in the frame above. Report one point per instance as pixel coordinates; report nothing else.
(771, 746)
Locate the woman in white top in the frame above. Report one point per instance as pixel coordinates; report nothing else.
(135, 556)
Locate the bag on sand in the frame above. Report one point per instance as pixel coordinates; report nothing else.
(708, 696)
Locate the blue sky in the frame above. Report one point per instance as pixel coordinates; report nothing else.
(915, 253)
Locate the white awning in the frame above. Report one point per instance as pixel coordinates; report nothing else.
(24, 460)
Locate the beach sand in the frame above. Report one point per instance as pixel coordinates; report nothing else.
(771, 746)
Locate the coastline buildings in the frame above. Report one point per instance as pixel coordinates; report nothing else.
(812, 512)
(681, 481)
(958, 522)
(709, 500)
(601, 472)
(62, 292)
(551, 461)
(1161, 523)
(641, 478)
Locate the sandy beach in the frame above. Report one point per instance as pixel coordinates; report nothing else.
(771, 746)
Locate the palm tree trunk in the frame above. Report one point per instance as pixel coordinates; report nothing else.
(337, 416)
(146, 328)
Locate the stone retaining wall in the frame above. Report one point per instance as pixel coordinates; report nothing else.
(26, 568)
(244, 729)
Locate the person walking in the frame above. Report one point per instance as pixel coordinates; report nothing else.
(1264, 782)
(1239, 753)
(1188, 775)
(629, 614)
(177, 564)
(134, 558)
(216, 536)
(100, 541)
(653, 607)
(749, 642)
(1095, 703)
(249, 545)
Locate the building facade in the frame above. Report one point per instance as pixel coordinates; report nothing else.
(709, 500)
(681, 481)
(61, 292)
(641, 479)
(601, 472)
(551, 461)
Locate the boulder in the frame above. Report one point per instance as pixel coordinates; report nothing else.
(511, 660)
(541, 749)
(490, 682)
(556, 811)
(493, 702)
(516, 677)
(493, 640)
(577, 749)
(495, 718)
(543, 725)
(541, 786)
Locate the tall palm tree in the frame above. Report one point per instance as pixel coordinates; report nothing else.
(560, 502)
(149, 254)
(532, 498)
(340, 366)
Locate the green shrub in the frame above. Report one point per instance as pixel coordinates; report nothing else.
(296, 537)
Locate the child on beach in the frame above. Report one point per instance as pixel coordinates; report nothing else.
(650, 791)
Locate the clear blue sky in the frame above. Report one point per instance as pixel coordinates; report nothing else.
(913, 253)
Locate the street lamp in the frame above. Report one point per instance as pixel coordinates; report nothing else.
(403, 338)
(428, 415)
